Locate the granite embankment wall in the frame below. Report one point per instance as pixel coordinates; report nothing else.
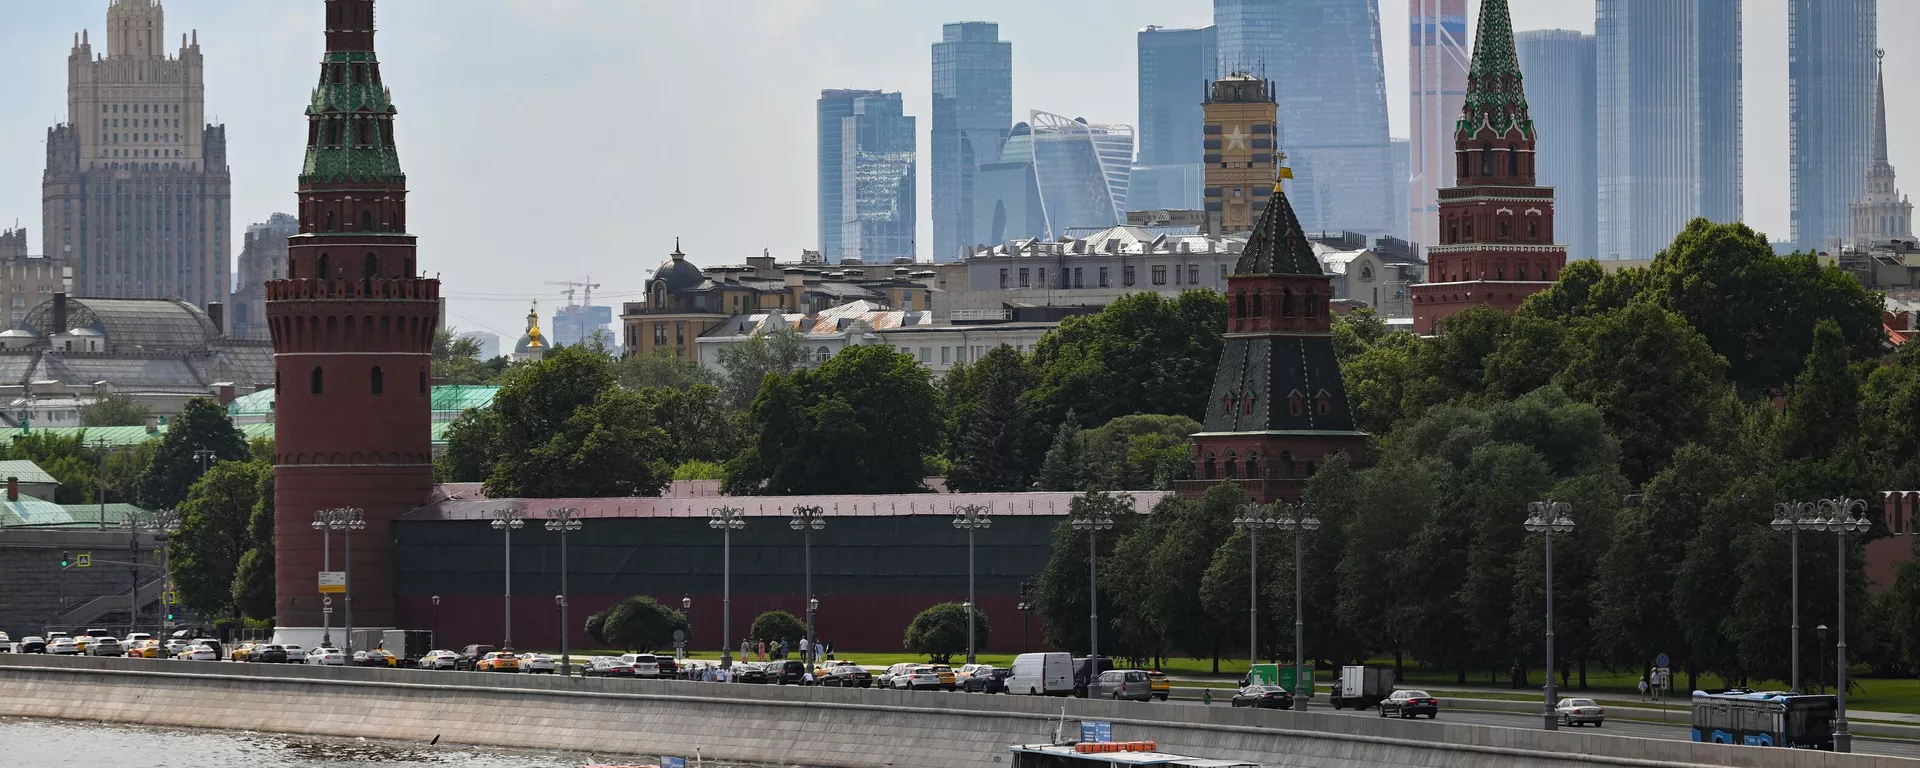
(823, 727)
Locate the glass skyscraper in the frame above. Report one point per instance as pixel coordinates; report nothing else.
(877, 192)
(972, 113)
(1175, 65)
(1082, 171)
(832, 109)
(1829, 109)
(1559, 77)
(1324, 57)
(1438, 71)
(1667, 95)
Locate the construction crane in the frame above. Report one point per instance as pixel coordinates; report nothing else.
(586, 283)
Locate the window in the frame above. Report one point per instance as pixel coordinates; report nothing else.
(1296, 405)
(372, 266)
(1077, 283)
(1159, 274)
(946, 355)
(1025, 281)
(1223, 273)
(1042, 277)
(926, 354)
(824, 354)
(1513, 163)
(1231, 461)
(1325, 404)
(1126, 275)
(326, 262)
(379, 381)
(1486, 160)
(1193, 274)
(319, 380)
(1003, 277)
(659, 334)
(680, 333)
(1104, 281)
(1533, 229)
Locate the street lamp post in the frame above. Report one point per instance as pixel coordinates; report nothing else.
(686, 609)
(726, 520)
(563, 523)
(1026, 605)
(1548, 518)
(1093, 521)
(806, 520)
(1254, 518)
(1298, 520)
(164, 521)
(1841, 520)
(436, 621)
(507, 521)
(323, 522)
(350, 520)
(1820, 636)
(813, 643)
(970, 518)
(1791, 518)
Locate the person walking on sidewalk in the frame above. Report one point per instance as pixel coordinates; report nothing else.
(1643, 688)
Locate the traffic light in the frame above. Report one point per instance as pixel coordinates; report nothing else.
(66, 559)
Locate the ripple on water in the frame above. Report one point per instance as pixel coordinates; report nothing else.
(25, 742)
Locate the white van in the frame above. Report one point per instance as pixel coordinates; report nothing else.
(1042, 674)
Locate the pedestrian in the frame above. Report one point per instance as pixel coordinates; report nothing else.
(806, 678)
(783, 648)
(803, 651)
(746, 649)
(763, 650)
(829, 651)
(1643, 689)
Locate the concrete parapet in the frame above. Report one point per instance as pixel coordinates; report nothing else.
(826, 727)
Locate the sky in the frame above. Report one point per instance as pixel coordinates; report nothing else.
(552, 140)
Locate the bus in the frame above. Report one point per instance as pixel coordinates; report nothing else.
(1741, 716)
(1126, 754)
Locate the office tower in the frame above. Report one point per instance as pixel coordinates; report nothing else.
(263, 258)
(1082, 171)
(1175, 65)
(136, 191)
(1242, 161)
(869, 211)
(1667, 107)
(1438, 89)
(1324, 58)
(1882, 213)
(1830, 70)
(353, 324)
(1496, 223)
(1559, 67)
(1007, 195)
(1401, 150)
(972, 112)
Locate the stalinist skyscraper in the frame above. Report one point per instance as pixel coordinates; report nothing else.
(136, 195)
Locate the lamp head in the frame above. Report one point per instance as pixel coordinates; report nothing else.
(1309, 523)
(686, 602)
(436, 600)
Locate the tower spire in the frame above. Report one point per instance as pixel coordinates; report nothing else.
(1495, 96)
(1880, 109)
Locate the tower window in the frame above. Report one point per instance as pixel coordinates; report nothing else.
(379, 381)
(326, 266)
(1486, 160)
(365, 126)
(366, 221)
(1513, 162)
(423, 382)
(372, 266)
(329, 221)
(319, 380)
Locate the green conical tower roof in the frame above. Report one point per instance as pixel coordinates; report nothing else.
(1495, 97)
(1277, 245)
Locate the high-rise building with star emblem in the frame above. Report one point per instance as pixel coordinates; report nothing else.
(136, 193)
(1496, 224)
(1239, 151)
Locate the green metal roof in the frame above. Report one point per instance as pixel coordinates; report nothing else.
(255, 404)
(30, 512)
(1495, 95)
(26, 472)
(447, 399)
(123, 437)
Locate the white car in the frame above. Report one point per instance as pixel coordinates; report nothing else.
(106, 646)
(6, 643)
(644, 664)
(439, 660)
(175, 645)
(63, 646)
(295, 654)
(134, 638)
(327, 656)
(199, 653)
(919, 677)
(537, 663)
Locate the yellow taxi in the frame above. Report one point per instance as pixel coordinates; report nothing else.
(1159, 685)
(145, 649)
(498, 661)
(243, 652)
(948, 681)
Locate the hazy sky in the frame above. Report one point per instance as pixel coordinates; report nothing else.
(554, 139)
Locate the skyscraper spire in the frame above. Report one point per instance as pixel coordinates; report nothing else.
(1880, 109)
(1495, 97)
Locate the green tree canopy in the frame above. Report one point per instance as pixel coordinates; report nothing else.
(1138, 452)
(116, 410)
(202, 425)
(455, 359)
(215, 533)
(253, 585)
(662, 370)
(564, 429)
(940, 632)
(1141, 354)
(775, 626)
(641, 623)
(748, 363)
(996, 445)
(861, 422)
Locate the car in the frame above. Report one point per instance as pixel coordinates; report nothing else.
(295, 654)
(1161, 684)
(889, 676)
(1410, 704)
(948, 682)
(6, 643)
(439, 659)
(607, 666)
(270, 653)
(106, 646)
(981, 678)
(919, 677)
(498, 661)
(644, 664)
(1121, 685)
(243, 652)
(471, 655)
(750, 672)
(1263, 697)
(198, 653)
(210, 643)
(63, 646)
(33, 644)
(1086, 670)
(792, 671)
(665, 667)
(175, 645)
(966, 671)
(844, 675)
(378, 657)
(145, 649)
(1580, 712)
(135, 637)
(331, 657)
(537, 664)
(1042, 674)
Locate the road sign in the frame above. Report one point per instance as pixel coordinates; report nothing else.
(1662, 661)
(1092, 732)
(333, 582)
(328, 602)
(83, 560)
(672, 762)
(170, 598)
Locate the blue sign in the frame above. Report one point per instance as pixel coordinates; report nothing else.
(1662, 661)
(1091, 732)
(673, 762)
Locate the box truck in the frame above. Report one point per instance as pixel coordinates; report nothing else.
(1361, 687)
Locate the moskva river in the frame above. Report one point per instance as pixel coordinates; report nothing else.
(53, 743)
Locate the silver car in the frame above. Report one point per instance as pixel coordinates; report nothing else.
(1580, 712)
(105, 646)
(1122, 685)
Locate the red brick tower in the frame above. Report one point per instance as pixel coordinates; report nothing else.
(351, 327)
(1496, 225)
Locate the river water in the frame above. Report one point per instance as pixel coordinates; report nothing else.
(54, 743)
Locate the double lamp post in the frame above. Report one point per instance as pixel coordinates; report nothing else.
(326, 521)
(1842, 517)
(1298, 520)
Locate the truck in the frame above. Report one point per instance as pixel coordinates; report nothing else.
(408, 644)
(1362, 687)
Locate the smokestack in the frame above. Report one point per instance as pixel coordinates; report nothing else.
(217, 313)
(13, 489)
(59, 314)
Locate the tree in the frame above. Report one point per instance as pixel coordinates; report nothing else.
(202, 425)
(1065, 459)
(660, 369)
(1061, 595)
(596, 624)
(1823, 411)
(774, 626)
(940, 632)
(640, 623)
(1138, 452)
(697, 422)
(455, 359)
(1379, 378)
(215, 533)
(1651, 375)
(1144, 353)
(856, 424)
(473, 442)
(1453, 364)
(75, 466)
(114, 410)
(253, 584)
(564, 429)
(1176, 570)
(1356, 331)
(995, 444)
(748, 363)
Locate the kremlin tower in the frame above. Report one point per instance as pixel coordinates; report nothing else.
(351, 325)
(1496, 225)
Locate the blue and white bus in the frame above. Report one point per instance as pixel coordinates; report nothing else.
(1766, 719)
